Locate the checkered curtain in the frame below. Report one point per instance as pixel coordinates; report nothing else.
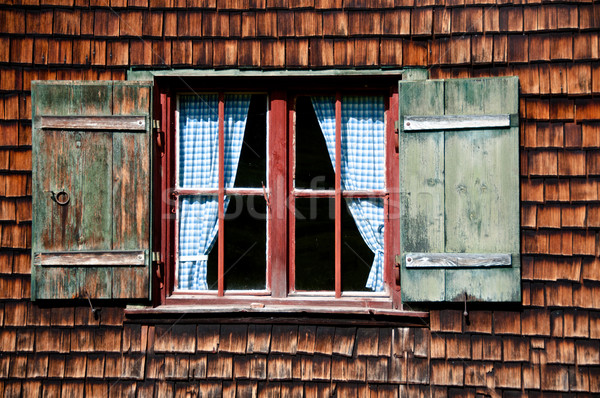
(199, 168)
(363, 168)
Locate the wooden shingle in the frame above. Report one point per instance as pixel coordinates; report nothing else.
(39, 22)
(335, 23)
(197, 366)
(458, 346)
(219, 366)
(279, 367)
(296, 53)
(307, 24)
(306, 338)
(447, 372)
(107, 339)
(176, 366)
(366, 52)
(479, 322)
(414, 53)
(272, 53)
(442, 22)
(421, 21)
(266, 24)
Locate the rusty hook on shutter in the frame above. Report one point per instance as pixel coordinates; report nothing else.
(95, 311)
(61, 197)
(265, 194)
(466, 313)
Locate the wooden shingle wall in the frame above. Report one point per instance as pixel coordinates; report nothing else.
(551, 345)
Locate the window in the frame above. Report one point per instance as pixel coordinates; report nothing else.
(297, 211)
(314, 205)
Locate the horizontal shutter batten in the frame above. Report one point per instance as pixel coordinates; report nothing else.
(117, 123)
(457, 260)
(454, 122)
(91, 259)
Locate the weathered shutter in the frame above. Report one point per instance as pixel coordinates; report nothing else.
(459, 187)
(91, 190)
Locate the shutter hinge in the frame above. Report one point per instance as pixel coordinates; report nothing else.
(397, 125)
(156, 124)
(156, 257)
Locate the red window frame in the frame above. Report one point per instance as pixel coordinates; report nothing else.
(280, 273)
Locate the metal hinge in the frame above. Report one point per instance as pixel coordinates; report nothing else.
(156, 257)
(156, 124)
(397, 125)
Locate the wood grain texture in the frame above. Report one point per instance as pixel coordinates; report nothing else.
(471, 174)
(112, 258)
(453, 122)
(453, 260)
(92, 141)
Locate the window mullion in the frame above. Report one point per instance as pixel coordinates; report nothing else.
(221, 203)
(338, 195)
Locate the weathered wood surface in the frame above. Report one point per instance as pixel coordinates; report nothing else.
(456, 260)
(117, 123)
(91, 140)
(476, 186)
(422, 189)
(109, 258)
(453, 122)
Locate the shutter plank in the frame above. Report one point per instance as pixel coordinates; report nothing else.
(94, 152)
(131, 190)
(486, 285)
(422, 190)
(422, 171)
(93, 99)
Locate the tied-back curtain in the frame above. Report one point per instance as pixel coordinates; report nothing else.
(363, 167)
(199, 168)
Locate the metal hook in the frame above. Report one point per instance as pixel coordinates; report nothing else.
(466, 313)
(95, 311)
(265, 194)
(61, 197)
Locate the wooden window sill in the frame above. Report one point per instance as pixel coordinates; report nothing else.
(285, 310)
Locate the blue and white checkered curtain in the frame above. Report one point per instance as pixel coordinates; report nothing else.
(199, 168)
(363, 167)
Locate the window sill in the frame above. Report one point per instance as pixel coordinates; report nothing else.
(293, 310)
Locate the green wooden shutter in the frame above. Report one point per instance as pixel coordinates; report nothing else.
(459, 188)
(91, 190)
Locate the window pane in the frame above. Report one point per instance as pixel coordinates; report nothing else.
(313, 165)
(245, 245)
(198, 141)
(252, 168)
(315, 240)
(357, 258)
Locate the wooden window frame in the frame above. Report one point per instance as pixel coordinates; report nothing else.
(280, 246)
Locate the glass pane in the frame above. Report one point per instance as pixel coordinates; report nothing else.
(252, 168)
(197, 230)
(198, 141)
(315, 240)
(245, 245)
(313, 165)
(357, 258)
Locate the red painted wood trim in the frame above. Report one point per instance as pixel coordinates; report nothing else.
(277, 228)
(221, 238)
(215, 191)
(307, 193)
(338, 195)
(291, 199)
(392, 207)
(173, 231)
